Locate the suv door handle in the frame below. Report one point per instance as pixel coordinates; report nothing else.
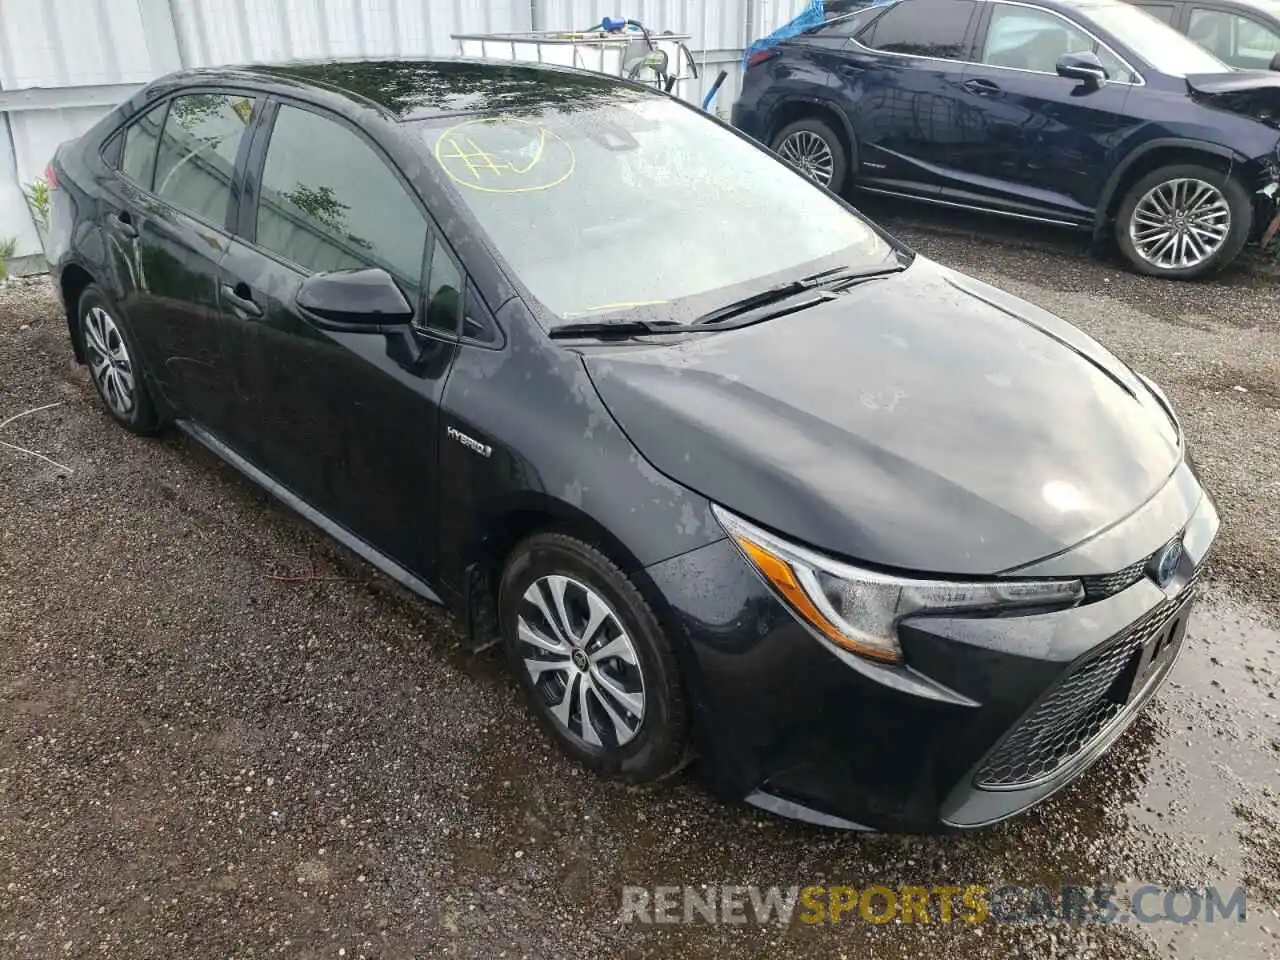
(983, 88)
(240, 299)
(122, 223)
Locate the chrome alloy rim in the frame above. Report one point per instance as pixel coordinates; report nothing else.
(109, 361)
(581, 661)
(1180, 223)
(809, 154)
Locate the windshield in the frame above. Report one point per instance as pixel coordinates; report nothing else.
(641, 205)
(1153, 40)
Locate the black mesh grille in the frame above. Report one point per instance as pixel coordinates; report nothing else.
(1078, 710)
(1095, 588)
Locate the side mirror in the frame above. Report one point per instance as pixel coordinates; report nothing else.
(1085, 67)
(1275, 62)
(354, 300)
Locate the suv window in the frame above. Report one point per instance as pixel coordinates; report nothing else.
(1161, 11)
(922, 28)
(843, 24)
(1234, 39)
(1028, 39)
(330, 202)
(138, 161)
(197, 157)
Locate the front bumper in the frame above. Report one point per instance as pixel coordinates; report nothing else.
(987, 716)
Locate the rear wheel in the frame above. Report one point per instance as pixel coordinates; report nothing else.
(592, 660)
(113, 361)
(815, 150)
(1184, 221)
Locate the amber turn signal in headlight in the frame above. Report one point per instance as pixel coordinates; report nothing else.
(859, 610)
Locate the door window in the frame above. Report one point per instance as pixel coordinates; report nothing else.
(444, 292)
(330, 202)
(1234, 39)
(1025, 38)
(922, 28)
(138, 162)
(197, 157)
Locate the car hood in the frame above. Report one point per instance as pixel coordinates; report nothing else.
(1250, 93)
(925, 421)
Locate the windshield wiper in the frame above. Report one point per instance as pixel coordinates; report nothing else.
(825, 282)
(620, 329)
(835, 278)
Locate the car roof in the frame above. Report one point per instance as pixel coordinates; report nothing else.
(415, 89)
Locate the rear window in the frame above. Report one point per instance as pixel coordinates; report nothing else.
(640, 204)
(923, 28)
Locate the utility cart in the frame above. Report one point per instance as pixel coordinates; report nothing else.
(620, 48)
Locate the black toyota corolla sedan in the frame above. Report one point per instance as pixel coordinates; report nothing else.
(729, 470)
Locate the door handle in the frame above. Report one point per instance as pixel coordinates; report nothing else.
(122, 223)
(983, 88)
(240, 299)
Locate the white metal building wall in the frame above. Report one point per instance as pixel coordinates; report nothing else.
(63, 63)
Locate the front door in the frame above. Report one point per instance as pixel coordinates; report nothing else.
(346, 419)
(1041, 143)
(167, 228)
(900, 82)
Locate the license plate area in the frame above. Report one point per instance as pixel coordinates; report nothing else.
(1152, 658)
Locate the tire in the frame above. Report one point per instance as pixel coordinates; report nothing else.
(638, 737)
(811, 137)
(1220, 199)
(103, 326)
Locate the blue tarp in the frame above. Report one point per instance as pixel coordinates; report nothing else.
(812, 16)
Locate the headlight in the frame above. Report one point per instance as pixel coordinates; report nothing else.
(859, 610)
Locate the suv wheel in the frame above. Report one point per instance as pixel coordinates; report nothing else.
(813, 148)
(113, 361)
(592, 660)
(1184, 222)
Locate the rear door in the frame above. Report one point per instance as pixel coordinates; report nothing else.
(1041, 144)
(899, 82)
(167, 226)
(347, 420)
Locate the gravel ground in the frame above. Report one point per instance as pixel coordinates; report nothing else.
(221, 735)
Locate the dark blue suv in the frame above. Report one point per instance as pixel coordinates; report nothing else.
(1089, 114)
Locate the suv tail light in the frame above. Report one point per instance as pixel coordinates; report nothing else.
(51, 176)
(760, 56)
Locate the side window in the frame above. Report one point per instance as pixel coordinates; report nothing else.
(1028, 39)
(1234, 39)
(842, 25)
(197, 157)
(328, 201)
(922, 28)
(445, 287)
(138, 161)
(1161, 11)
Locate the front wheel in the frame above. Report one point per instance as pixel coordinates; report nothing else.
(592, 659)
(1183, 222)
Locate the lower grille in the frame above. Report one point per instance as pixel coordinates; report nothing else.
(1078, 710)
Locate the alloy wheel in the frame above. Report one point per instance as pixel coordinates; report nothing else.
(1180, 223)
(810, 154)
(109, 361)
(581, 661)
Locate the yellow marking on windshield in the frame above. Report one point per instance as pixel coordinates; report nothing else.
(483, 152)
